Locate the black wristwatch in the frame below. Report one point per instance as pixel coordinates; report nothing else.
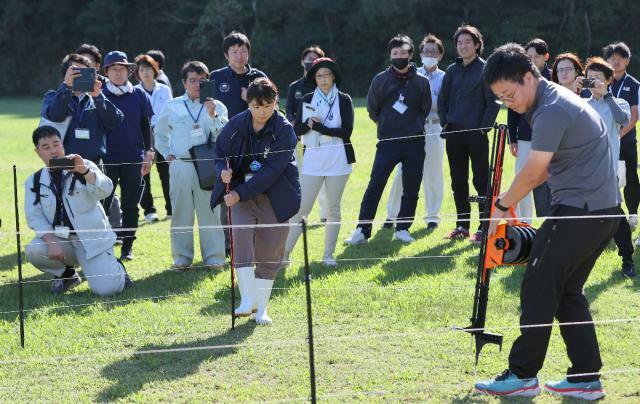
(500, 207)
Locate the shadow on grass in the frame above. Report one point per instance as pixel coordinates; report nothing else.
(37, 293)
(131, 374)
(9, 262)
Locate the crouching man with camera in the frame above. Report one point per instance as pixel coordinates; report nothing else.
(62, 205)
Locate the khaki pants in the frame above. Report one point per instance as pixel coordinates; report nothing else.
(259, 246)
(310, 187)
(187, 200)
(103, 272)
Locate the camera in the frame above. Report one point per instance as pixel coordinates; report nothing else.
(588, 83)
(86, 81)
(207, 90)
(61, 163)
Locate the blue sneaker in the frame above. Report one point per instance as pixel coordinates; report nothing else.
(584, 390)
(508, 384)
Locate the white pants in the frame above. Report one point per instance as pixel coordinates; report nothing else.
(432, 178)
(310, 187)
(524, 209)
(322, 198)
(103, 272)
(187, 200)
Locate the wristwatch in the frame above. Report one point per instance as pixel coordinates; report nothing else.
(500, 207)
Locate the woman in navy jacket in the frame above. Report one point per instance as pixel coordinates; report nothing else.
(255, 157)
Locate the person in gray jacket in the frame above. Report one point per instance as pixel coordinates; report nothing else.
(63, 207)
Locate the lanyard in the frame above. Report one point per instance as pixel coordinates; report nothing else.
(330, 104)
(59, 197)
(195, 120)
(621, 84)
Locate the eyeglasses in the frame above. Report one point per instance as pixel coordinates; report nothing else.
(567, 70)
(195, 81)
(433, 54)
(322, 76)
(509, 98)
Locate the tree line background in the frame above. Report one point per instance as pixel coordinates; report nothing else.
(35, 35)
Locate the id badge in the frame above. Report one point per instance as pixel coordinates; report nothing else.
(62, 232)
(400, 106)
(247, 177)
(197, 132)
(82, 134)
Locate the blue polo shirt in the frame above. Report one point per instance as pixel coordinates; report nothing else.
(627, 89)
(125, 142)
(229, 87)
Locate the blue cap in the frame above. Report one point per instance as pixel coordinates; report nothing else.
(117, 58)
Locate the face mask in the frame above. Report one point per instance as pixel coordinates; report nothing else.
(400, 63)
(307, 66)
(429, 62)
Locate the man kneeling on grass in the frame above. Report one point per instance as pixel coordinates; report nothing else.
(62, 205)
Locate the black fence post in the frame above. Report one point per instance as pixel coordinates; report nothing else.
(19, 255)
(307, 282)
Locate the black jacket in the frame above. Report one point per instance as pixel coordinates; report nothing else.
(385, 90)
(465, 102)
(343, 132)
(295, 92)
(278, 176)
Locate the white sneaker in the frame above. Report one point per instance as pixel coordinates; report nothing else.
(404, 236)
(151, 217)
(356, 237)
(329, 261)
(633, 222)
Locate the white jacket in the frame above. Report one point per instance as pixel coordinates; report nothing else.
(83, 208)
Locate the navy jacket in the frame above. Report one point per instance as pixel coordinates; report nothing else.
(465, 102)
(385, 90)
(99, 117)
(519, 128)
(229, 87)
(343, 132)
(295, 92)
(274, 148)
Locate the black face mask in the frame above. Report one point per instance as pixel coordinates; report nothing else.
(307, 66)
(400, 63)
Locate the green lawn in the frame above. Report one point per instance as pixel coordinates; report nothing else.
(382, 318)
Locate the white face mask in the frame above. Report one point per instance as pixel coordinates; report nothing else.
(429, 62)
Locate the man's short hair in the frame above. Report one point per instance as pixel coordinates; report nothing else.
(235, 38)
(44, 132)
(474, 33)
(194, 66)
(620, 48)
(399, 41)
(539, 45)
(71, 58)
(312, 49)
(87, 48)
(509, 63)
(598, 64)
(147, 61)
(158, 56)
(430, 38)
(263, 91)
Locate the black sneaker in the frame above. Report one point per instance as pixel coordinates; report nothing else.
(126, 255)
(388, 224)
(431, 226)
(628, 269)
(69, 280)
(127, 279)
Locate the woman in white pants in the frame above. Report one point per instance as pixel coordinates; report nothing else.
(324, 123)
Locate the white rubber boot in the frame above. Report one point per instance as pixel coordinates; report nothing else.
(263, 292)
(247, 285)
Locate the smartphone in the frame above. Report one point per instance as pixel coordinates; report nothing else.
(588, 83)
(62, 163)
(86, 81)
(207, 90)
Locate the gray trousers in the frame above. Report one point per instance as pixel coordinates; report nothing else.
(103, 272)
(310, 187)
(259, 246)
(188, 200)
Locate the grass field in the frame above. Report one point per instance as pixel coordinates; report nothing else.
(383, 317)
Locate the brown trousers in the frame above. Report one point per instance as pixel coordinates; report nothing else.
(259, 246)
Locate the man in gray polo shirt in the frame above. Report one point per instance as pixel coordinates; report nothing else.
(570, 150)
